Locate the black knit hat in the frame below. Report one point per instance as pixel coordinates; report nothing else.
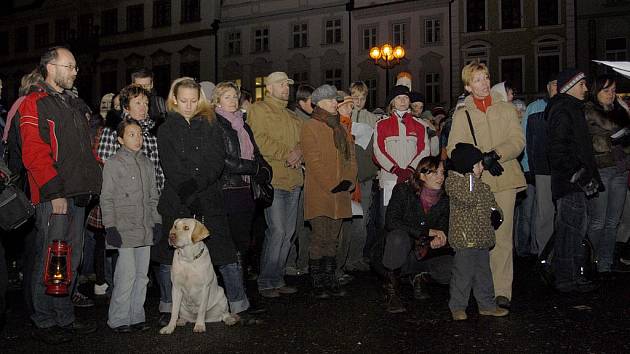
(569, 78)
(397, 91)
(415, 96)
(464, 157)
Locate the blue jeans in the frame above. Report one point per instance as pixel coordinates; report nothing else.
(164, 275)
(55, 310)
(524, 237)
(126, 306)
(605, 213)
(571, 224)
(281, 219)
(234, 289)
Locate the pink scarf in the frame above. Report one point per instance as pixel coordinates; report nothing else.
(429, 197)
(236, 120)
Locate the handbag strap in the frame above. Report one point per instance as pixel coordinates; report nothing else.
(472, 130)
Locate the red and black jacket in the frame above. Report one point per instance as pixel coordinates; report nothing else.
(56, 146)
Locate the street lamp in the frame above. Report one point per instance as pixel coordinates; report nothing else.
(387, 57)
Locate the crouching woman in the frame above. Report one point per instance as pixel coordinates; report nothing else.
(416, 222)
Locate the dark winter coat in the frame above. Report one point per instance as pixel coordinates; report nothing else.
(601, 125)
(470, 225)
(570, 146)
(235, 166)
(192, 156)
(536, 138)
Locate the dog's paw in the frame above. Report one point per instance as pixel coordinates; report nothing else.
(199, 328)
(167, 330)
(181, 322)
(231, 319)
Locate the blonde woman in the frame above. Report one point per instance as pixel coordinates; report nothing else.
(191, 151)
(243, 165)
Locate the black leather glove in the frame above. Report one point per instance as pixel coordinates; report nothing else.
(113, 238)
(586, 182)
(187, 189)
(496, 218)
(623, 140)
(342, 186)
(157, 233)
(263, 175)
(490, 161)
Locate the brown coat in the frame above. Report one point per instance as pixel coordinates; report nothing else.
(498, 129)
(325, 169)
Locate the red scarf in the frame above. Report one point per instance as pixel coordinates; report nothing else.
(429, 197)
(484, 103)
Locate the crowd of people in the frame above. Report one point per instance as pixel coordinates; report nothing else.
(316, 185)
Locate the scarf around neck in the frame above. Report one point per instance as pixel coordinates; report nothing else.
(339, 132)
(238, 124)
(429, 197)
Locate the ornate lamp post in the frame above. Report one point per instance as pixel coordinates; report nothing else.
(387, 57)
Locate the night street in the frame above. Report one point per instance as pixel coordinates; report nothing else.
(541, 321)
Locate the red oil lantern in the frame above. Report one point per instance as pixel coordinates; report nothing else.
(58, 274)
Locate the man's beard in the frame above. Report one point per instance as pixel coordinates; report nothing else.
(64, 82)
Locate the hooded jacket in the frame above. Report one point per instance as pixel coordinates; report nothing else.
(601, 125)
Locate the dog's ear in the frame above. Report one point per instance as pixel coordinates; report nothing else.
(199, 232)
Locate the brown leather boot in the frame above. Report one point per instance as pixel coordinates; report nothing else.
(391, 286)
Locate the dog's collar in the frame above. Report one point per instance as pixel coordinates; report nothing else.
(199, 254)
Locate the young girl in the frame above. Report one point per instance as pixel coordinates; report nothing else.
(470, 234)
(129, 199)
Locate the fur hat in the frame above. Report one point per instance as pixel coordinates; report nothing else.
(464, 157)
(569, 78)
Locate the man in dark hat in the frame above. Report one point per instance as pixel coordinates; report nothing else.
(574, 178)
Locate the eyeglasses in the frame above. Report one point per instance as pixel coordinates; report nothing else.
(71, 67)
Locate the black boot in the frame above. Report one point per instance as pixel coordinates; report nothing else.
(391, 286)
(333, 286)
(318, 277)
(420, 283)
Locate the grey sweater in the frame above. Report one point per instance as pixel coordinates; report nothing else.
(129, 197)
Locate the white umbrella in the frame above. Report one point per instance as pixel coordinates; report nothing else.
(622, 67)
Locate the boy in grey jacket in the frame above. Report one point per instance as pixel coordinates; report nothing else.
(129, 199)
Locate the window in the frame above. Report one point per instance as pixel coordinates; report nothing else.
(162, 79)
(300, 78)
(432, 87)
(512, 72)
(234, 43)
(260, 88)
(476, 52)
(135, 18)
(547, 62)
(372, 94)
(616, 49)
(161, 13)
(300, 35)
(369, 38)
(333, 31)
(4, 42)
(333, 77)
(510, 14)
(41, 35)
(548, 12)
(432, 31)
(399, 34)
(190, 11)
(475, 16)
(62, 30)
(261, 40)
(85, 25)
(21, 39)
(190, 69)
(109, 22)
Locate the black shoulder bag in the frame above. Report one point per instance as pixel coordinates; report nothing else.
(15, 208)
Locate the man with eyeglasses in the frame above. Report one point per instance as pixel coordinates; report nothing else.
(63, 175)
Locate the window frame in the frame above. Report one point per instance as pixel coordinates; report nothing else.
(301, 34)
(140, 9)
(558, 51)
(435, 87)
(374, 43)
(485, 27)
(404, 31)
(521, 20)
(537, 18)
(334, 28)
(163, 20)
(434, 40)
(106, 15)
(235, 50)
(334, 80)
(519, 90)
(186, 15)
(264, 40)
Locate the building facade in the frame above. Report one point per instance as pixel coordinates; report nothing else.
(110, 39)
(525, 42)
(603, 27)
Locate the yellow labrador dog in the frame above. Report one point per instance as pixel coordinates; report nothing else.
(196, 295)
